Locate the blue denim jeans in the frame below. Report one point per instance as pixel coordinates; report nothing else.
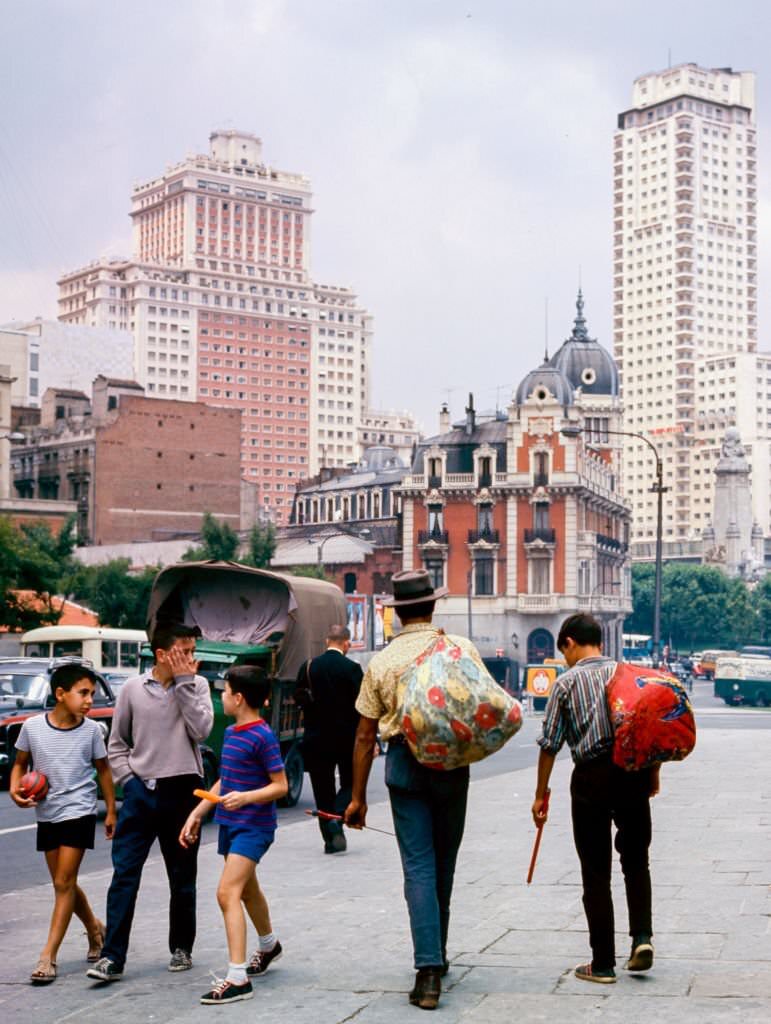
(429, 812)
(147, 815)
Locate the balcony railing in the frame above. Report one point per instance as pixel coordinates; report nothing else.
(433, 537)
(537, 603)
(540, 479)
(486, 536)
(610, 542)
(434, 482)
(546, 534)
(485, 480)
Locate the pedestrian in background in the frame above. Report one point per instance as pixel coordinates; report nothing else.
(602, 795)
(428, 806)
(327, 688)
(160, 719)
(66, 746)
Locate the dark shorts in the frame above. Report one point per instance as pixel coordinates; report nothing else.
(76, 832)
(245, 840)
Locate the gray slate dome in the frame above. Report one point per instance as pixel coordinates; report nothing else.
(585, 363)
(378, 458)
(546, 378)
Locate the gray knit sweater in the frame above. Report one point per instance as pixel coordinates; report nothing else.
(155, 733)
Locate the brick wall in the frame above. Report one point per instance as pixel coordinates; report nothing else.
(161, 464)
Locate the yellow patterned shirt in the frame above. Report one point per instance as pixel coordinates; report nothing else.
(379, 697)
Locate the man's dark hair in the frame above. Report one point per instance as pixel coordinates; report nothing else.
(338, 634)
(166, 633)
(410, 612)
(252, 682)
(65, 677)
(582, 629)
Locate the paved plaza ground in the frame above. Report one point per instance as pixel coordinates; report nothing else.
(343, 923)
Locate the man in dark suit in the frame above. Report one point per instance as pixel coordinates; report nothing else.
(327, 688)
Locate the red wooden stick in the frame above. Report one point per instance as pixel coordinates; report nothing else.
(338, 817)
(538, 834)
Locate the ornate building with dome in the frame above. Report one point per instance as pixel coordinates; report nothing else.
(524, 524)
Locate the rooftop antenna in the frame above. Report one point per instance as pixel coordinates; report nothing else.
(546, 330)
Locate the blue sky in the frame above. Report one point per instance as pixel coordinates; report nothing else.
(460, 153)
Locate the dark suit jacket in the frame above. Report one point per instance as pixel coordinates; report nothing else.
(330, 716)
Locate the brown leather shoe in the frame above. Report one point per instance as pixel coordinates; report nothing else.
(428, 988)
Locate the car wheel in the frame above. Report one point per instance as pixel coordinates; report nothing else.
(294, 768)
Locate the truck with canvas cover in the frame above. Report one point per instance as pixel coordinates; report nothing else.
(254, 617)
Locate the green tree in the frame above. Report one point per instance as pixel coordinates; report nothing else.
(218, 542)
(700, 606)
(118, 597)
(762, 601)
(261, 545)
(32, 558)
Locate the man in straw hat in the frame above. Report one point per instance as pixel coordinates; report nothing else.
(428, 806)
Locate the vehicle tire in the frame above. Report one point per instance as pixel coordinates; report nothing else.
(295, 769)
(761, 700)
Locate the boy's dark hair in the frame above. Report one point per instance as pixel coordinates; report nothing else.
(65, 677)
(582, 629)
(165, 634)
(410, 612)
(252, 682)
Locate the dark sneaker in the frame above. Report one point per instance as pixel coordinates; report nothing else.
(180, 961)
(262, 959)
(337, 844)
(641, 957)
(105, 970)
(227, 992)
(585, 972)
(428, 988)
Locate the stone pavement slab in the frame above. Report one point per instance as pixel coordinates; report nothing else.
(343, 923)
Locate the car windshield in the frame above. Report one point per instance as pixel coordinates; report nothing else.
(23, 685)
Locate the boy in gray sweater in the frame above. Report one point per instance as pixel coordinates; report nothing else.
(160, 718)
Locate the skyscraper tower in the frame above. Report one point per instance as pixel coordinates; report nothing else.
(219, 297)
(684, 190)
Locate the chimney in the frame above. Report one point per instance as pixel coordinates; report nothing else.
(444, 419)
(470, 415)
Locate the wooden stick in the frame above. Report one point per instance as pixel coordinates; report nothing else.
(538, 834)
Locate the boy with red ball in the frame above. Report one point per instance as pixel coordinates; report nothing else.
(65, 746)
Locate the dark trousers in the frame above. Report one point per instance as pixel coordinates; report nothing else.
(603, 794)
(322, 763)
(429, 812)
(147, 815)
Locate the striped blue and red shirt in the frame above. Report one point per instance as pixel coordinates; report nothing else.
(250, 752)
(577, 711)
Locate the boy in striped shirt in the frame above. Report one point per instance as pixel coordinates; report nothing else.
(251, 779)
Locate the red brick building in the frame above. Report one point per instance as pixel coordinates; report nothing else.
(137, 468)
(523, 524)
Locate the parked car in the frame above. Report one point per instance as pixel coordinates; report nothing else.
(25, 691)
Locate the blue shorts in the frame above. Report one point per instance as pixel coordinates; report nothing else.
(245, 840)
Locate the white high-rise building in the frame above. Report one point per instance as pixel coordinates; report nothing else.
(219, 298)
(685, 286)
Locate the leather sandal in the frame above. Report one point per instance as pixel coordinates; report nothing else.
(95, 943)
(44, 973)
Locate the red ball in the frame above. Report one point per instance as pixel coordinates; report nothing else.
(34, 784)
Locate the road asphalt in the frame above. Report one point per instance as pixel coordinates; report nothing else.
(343, 923)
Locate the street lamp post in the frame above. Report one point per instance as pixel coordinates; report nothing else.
(658, 488)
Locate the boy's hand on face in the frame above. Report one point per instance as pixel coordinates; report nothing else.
(181, 663)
